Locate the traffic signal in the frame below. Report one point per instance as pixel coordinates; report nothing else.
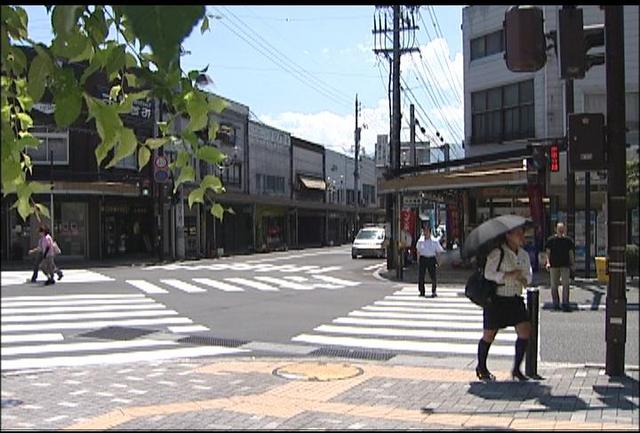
(587, 141)
(575, 41)
(525, 44)
(554, 158)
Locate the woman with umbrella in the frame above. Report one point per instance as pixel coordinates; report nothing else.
(511, 270)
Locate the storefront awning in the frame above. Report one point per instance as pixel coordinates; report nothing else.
(514, 173)
(312, 183)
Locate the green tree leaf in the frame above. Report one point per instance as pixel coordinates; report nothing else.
(67, 97)
(187, 174)
(217, 104)
(25, 121)
(42, 210)
(196, 196)
(217, 211)
(64, 18)
(163, 27)
(144, 154)
(155, 143)
(126, 146)
(41, 68)
(211, 155)
(24, 207)
(212, 182)
(205, 25)
(196, 105)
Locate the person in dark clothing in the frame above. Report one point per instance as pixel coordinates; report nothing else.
(427, 249)
(560, 263)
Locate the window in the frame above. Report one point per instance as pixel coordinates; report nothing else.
(130, 162)
(503, 113)
(368, 194)
(226, 134)
(266, 184)
(52, 140)
(487, 45)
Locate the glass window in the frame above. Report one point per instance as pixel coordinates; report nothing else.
(477, 48)
(479, 101)
(526, 92)
(52, 140)
(511, 123)
(494, 99)
(511, 95)
(494, 42)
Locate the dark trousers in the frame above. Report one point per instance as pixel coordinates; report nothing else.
(427, 263)
(36, 265)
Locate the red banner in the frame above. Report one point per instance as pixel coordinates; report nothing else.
(453, 225)
(407, 227)
(536, 208)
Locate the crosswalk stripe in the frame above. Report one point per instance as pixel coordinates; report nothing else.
(95, 324)
(61, 302)
(116, 358)
(421, 333)
(392, 315)
(466, 308)
(438, 300)
(409, 323)
(189, 288)
(286, 284)
(78, 347)
(218, 285)
(88, 296)
(40, 310)
(253, 284)
(194, 328)
(323, 270)
(24, 338)
(471, 316)
(414, 346)
(296, 279)
(146, 286)
(76, 316)
(337, 280)
(379, 265)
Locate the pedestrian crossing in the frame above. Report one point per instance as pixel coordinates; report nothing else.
(253, 267)
(45, 331)
(448, 324)
(260, 283)
(12, 278)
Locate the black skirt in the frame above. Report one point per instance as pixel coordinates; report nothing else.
(504, 311)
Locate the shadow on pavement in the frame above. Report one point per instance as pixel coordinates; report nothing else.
(615, 395)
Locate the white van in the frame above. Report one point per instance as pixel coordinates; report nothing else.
(370, 241)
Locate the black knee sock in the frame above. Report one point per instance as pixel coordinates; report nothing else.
(483, 352)
(521, 348)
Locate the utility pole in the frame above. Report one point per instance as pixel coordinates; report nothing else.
(616, 314)
(571, 176)
(412, 134)
(403, 20)
(356, 174)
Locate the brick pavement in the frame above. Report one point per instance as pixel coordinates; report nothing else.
(245, 393)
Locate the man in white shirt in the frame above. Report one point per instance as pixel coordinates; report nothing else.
(427, 249)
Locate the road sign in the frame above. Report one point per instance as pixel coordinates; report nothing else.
(161, 169)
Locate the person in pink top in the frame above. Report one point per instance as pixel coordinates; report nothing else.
(48, 265)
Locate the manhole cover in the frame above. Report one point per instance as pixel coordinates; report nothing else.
(343, 352)
(117, 333)
(318, 371)
(212, 341)
(10, 403)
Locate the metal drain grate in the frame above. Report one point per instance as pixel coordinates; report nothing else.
(117, 333)
(353, 353)
(212, 341)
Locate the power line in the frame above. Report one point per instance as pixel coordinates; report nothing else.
(277, 58)
(436, 26)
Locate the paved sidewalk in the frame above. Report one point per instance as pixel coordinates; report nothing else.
(267, 392)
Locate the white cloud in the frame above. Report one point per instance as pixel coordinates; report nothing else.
(333, 131)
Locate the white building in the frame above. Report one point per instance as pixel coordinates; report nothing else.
(503, 110)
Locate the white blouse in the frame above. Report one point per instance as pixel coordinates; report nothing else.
(511, 261)
(428, 247)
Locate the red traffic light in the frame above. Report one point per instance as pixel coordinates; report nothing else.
(554, 157)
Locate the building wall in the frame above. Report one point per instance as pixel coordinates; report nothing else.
(269, 153)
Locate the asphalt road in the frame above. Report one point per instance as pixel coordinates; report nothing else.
(308, 298)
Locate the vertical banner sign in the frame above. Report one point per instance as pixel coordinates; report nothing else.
(407, 227)
(452, 223)
(536, 208)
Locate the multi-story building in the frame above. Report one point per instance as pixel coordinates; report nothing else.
(507, 111)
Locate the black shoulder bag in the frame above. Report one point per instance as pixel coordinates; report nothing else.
(480, 290)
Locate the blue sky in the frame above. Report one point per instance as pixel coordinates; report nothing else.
(298, 68)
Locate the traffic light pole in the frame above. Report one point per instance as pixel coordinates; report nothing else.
(571, 176)
(616, 314)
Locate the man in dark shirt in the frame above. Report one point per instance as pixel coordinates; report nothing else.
(560, 263)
